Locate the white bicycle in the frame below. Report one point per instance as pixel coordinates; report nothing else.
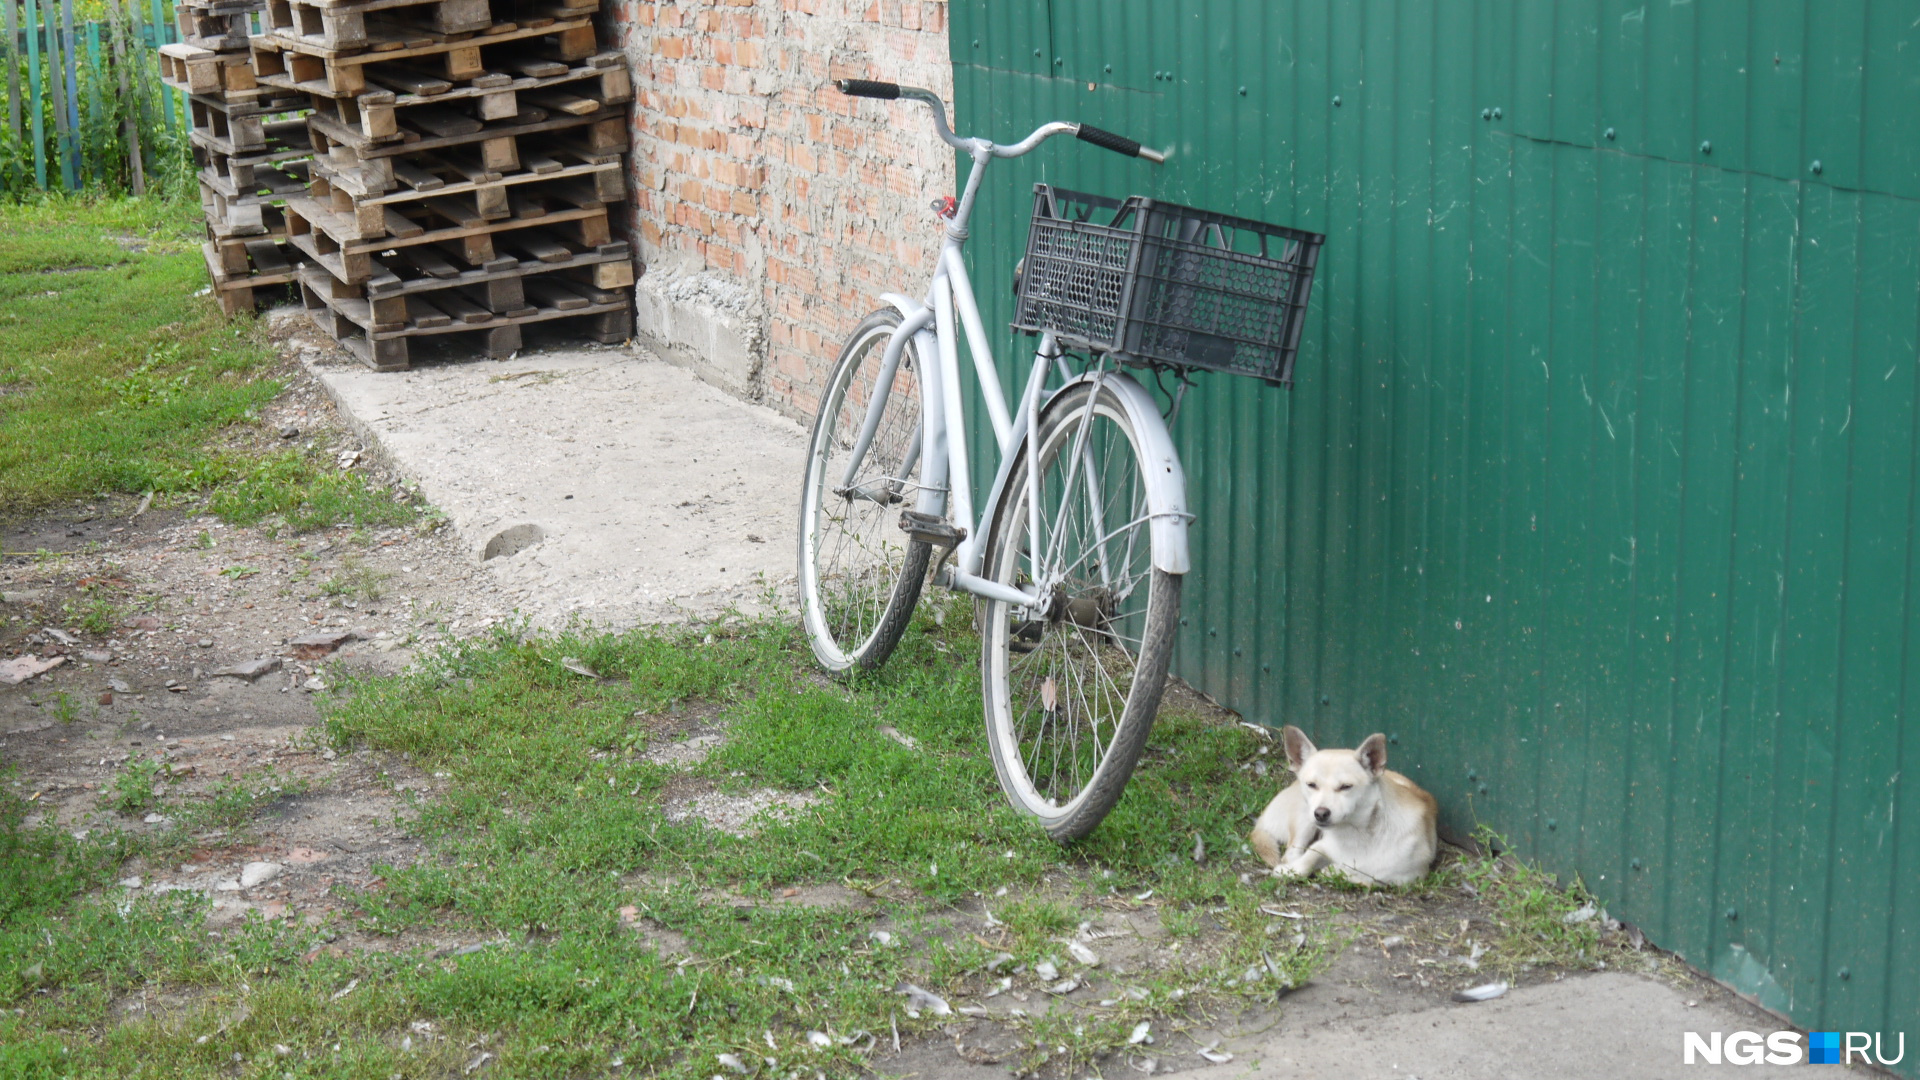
(1079, 548)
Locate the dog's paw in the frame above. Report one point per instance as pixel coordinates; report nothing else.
(1293, 868)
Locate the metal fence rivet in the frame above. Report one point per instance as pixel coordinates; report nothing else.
(1057, 61)
(1635, 864)
(1483, 789)
(1243, 91)
(1336, 101)
(1610, 133)
(976, 43)
(1472, 775)
(1706, 147)
(1109, 69)
(1817, 167)
(1394, 739)
(1733, 914)
(1266, 667)
(1486, 114)
(1846, 973)
(1036, 52)
(1325, 700)
(1496, 112)
(1213, 631)
(1552, 824)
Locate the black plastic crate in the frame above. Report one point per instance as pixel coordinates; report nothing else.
(1166, 284)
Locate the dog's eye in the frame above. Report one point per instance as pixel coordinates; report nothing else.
(1344, 787)
(1313, 787)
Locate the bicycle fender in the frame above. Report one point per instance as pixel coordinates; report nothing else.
(1165, 480)
(906, 305)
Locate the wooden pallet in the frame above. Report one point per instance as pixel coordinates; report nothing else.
(425, 269)
(317, 231)
(405, 104)
(379, 332)
(239, 270)
(362, 169)
(458, 58)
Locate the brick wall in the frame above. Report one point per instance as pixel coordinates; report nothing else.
(770, 209)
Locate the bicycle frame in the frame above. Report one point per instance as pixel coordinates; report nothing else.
(935, 325)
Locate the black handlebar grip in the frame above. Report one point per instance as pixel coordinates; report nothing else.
(868, 88)
(1107, 140)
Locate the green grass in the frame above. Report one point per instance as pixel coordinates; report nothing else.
(552, 822)
(116, 378)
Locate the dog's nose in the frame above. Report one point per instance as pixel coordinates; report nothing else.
(1321, 814)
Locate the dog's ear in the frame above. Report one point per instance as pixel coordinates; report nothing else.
(1373, 753)
(1299, 747)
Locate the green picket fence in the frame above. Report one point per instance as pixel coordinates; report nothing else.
(86, 108)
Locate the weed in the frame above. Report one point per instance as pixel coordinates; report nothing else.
(239, 573)
(233, 803)
(355, 580)
(1531, 909)
(1035, 922)
(95, 613)
(63, 708)
(133, 790)
(203, 540)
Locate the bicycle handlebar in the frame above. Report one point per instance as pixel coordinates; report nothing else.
(1106, 140)
(868, 88)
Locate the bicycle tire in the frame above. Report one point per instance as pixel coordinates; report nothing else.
(1096, 620)
(855, 604)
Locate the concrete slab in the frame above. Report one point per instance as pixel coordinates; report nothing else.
(604, 482)
(1604, 1026)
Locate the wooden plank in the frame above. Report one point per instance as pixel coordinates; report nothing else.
(534, 66)
(430, 262)
(435, 120)
(400, 226)
(457, 212)
(406, 79)
(454, 303)
(416, 177)
(561, 101)
(468, 167)
(539, 246)
(267, 257)
(423, 314)
(554, 294)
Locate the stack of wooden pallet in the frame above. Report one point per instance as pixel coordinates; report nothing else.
(465, 157)
(249, 144)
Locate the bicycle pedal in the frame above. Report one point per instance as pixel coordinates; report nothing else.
(928, 529)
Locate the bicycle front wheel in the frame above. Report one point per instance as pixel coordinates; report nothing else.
(860, 575)
(1071, 685)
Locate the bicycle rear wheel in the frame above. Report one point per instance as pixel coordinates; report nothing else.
(860, 575)
(1072, 684)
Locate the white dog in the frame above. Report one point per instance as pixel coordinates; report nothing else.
(1347, 810)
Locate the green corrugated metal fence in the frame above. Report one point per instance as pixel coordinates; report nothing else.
(1597, 489)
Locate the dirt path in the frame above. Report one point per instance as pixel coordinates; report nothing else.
(143, 611)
